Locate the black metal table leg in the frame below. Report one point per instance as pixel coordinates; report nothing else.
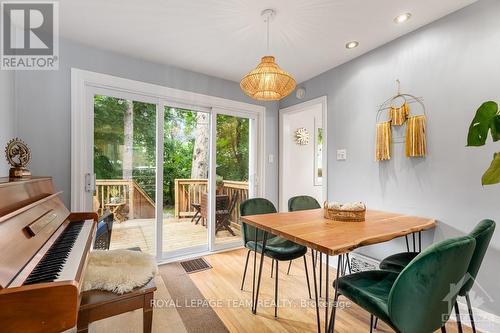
(348, 263)
(260, 272)
(316, 298)
(420, 241)
(276, 292)
(254, 267)
(327, 285)
(331, 326)
(320, 272)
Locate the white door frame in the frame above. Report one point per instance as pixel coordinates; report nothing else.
(297, 108)
(85, 84)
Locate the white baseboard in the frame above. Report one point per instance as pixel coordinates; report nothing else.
(485, 322)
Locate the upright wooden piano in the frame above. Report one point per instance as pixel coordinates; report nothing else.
(43, 254)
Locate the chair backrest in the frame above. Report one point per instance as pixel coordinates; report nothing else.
(482, 233)
(233, 202)
(302, 202)
(424, 293)
(254, 206)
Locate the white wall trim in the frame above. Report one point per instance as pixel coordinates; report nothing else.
(296, 108)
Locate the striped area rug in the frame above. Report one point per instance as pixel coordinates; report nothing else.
(196, 319)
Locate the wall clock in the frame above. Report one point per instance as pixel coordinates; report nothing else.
(302, 136)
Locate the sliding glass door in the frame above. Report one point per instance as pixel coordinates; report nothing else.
(232, 175)
(172, 174)
(124, 156)
(186, 169)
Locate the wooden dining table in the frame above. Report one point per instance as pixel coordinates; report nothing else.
(331, 238)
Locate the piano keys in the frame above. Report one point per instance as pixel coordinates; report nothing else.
(44, 250)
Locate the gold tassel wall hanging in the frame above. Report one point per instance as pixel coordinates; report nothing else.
(416, 145)
(383, 144)
(399, 115)
(413, 136)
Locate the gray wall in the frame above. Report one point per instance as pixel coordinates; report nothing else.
(7, 116)
(454, 64)
(44, 110)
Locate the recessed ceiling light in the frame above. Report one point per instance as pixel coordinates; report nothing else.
(352, 44)
(402, 18)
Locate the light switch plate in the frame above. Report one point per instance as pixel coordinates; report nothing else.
(341, 154)
(271, 158)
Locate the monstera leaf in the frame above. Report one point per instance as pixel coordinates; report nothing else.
(495, 127)
(492, 175)
(486, 118)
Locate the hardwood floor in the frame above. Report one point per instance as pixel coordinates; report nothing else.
(221, 285)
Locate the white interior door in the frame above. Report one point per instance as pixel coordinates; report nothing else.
(303, 152)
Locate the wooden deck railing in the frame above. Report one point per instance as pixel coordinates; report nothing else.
(189, 191)
(137, 202)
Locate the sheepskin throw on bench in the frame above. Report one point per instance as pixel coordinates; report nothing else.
(118, 271)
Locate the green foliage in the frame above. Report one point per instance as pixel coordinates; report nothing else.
(178, 149)
(232, 147)
(108, 132)
(487, 119)
(179, 136)
(492, 175)
(495, 127)
(102, 165)
(483, 121)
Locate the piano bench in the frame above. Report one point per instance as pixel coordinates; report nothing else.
(97, 304)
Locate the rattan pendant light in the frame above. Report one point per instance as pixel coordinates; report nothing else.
(267, 82)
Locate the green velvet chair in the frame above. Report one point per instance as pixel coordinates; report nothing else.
(421, 297)
(277, 248)
(482, 233)
(302, 202)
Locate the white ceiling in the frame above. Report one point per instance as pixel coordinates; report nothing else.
(226, 38)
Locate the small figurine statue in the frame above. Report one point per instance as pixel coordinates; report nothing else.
(18, 156)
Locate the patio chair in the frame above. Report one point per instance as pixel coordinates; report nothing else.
(197, 213)
(103, 231)
(223, 216)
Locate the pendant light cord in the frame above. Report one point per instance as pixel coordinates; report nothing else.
(268, 19)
